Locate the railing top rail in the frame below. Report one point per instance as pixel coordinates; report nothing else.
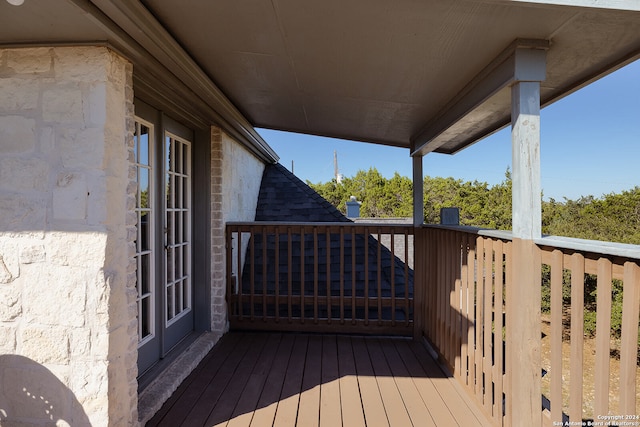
(624, 250)
(358, 224)
(497, 234)
(595, 246)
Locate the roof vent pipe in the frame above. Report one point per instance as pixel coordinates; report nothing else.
(353, 208)
(449, 216)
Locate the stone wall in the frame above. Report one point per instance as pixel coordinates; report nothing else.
(68, 338)
(242, 175)
(236, 175)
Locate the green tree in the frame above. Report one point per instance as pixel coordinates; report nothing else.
(479, 204)
(331, 191)
(380, 197)
(614, 217)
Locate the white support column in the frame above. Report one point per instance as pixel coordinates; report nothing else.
(525, 139)
(418, 191)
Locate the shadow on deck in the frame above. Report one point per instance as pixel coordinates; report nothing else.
(287, 379)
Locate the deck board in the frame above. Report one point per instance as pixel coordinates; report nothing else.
(309, 408)
(330, 408)
(438, 410)
(464, 411)
(351, 403)
(270, 394)
(248, 401)
(227, 402)
(193, 386)
(208, 400)
(415, 406)
(286, 379)
(287, 409)
(374, 410)
(391, 398)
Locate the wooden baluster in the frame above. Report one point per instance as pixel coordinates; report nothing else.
(328, 242)
(315, 275)
(556, 335)
(629, 339)
(603, 337)
(577, 337)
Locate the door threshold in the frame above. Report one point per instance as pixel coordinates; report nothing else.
(161, 365)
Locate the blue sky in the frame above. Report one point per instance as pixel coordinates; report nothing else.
(590, 145)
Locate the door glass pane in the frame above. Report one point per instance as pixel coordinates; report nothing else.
(177, 225)
(170, 266)
(136, 143)
(178, 191)
(168, 154)
(169, 190)
(170, 306)
(185, 192)
(145, 317)
(179, 272)
(145, 284)
(178, 284)
(185, 159)
(180, 235)
(177, 164)
(178, 297)
(144, 234)
(144, 225)
(170, 229)
(143, 146)
(143, 187)
(186, 296)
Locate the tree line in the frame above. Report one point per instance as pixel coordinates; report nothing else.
(613, 217)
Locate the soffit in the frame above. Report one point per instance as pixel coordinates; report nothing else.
(378, 71)
(369, 70)
(46, 21)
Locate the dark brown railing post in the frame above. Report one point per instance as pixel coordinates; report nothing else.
(230, 278)
(420, 256)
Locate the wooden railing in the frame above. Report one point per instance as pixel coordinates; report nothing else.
(464, 300)
(337, 277)
(345, 277)
(468, 274)
(592, 378)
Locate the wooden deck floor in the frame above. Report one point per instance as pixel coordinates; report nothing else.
(254, 379)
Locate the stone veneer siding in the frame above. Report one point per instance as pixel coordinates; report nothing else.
(239, 173)
(68, 330)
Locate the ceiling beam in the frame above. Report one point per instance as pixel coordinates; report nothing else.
(518, 62)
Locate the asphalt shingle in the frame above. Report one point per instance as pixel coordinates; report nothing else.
(284, 197)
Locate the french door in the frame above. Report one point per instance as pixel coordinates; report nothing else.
(162, 151)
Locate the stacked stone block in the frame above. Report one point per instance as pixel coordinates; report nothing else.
(67, 279)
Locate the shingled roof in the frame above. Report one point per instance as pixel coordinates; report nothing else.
(284, 197)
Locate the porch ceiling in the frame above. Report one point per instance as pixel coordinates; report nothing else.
(370, 70)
